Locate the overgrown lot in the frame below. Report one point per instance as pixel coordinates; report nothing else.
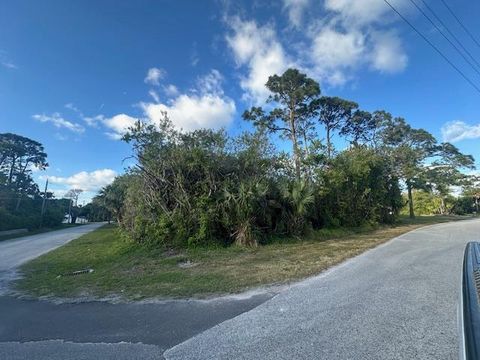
(125, 269)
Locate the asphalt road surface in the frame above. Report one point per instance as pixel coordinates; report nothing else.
(42, 330)
(15, 252)
(34, 330)
(397, 301)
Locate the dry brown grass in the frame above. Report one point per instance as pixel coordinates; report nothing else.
(135, 272)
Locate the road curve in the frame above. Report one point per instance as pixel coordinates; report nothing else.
(42, 330)
(397, 301)
(15, 252)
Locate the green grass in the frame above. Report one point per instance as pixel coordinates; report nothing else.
(38, 231)
(133, 272)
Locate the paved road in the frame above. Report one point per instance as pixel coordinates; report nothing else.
(15, 252)
(397, 301)
(97, 330)
(41, 330)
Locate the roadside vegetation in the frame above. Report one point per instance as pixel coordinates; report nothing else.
(128, 271)
(22, 204)
(205, 212)
(205, 188)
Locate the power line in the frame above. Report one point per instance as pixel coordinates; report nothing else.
(461, 24)
(434, 47)
(446, 37)
(451, 33)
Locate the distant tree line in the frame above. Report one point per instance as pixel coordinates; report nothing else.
(22, 204)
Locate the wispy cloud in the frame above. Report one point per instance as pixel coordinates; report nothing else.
(93, 121)
(59, 122)
(154, 75)
(204, 105)
(171, 90)
(455, 131)
(9, 65)
(295, 10)
(194, 58)
(154, 95)
(354, 35)
(6, 62)
(257, 49)
(72, 107)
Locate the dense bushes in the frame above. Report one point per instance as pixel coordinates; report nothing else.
(202, 188)
(360, 187)
(464, 205)
(428, 203)
(28, 213)
(194, 188)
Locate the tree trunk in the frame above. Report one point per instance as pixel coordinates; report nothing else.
(296, 155)
(18, 202)
(410, 200)
(12, 169)
(306, 144)
(329, 145)
(442, 206)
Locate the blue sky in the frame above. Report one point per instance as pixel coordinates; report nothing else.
(74, 74)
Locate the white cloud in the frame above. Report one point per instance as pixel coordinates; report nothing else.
(353, 37)
(388, 54)
(119, 124)
(355, 34)
(335, 49)
(60, 137)
(332, 51)
(9, 65)
(194, 57)
(210, 83)
(191, 112)
(295, 10)
(154, 95)
(154, 75)
(93, 121)
(362, 12)
(6, 62)
(72, 107)
(171, 90)
(458, 130)
(59, 122)
(87, 181)
(258, 49)
(205, 106)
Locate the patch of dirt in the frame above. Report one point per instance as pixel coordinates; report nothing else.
(171, 253)
(186, 264)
